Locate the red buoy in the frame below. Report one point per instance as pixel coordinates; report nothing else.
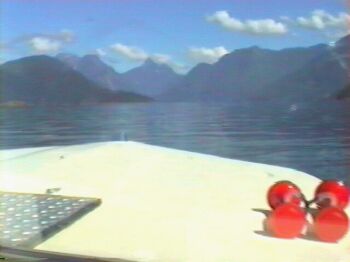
(284, 192)
(331, 224)
(332, 193)
(286, 221)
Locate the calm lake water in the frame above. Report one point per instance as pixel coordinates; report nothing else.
(313, 138)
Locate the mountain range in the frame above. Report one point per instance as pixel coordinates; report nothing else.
(92, 67)
(150, 79)
(294, 75)
(44, 80)
(249, 74)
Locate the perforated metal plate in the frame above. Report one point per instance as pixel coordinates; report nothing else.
(28, 219)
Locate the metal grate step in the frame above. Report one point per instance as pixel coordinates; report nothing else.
(28, 219)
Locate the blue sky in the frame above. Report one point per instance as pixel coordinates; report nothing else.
(179, 33)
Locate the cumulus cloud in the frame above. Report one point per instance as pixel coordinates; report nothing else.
(206, 55)
(132, 53)
(161, 58)
(100, 52)
(321, 20)
(41, 43)
(44, 45)
(136, 54)
(63, 36)
(255, 27)
(167, 60)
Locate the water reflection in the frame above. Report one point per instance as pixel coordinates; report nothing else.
(312, 138)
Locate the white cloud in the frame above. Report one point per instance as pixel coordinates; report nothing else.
(206, 55)
(40, 42)
(129, 52)
(44, 45)
(136, 54)
(321, 20)
(167, 60)
(336, 34)
(161, 58)
(100, 52)
(255, 27)
(180, 68)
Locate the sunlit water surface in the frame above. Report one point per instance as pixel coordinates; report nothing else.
(312, 138)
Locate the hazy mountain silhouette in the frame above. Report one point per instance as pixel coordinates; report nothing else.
(321, 78)
(294, 74)
(344, 93)
(42, 79)
(343, 57)
(93, 68)
(248, 74)
(151, 78)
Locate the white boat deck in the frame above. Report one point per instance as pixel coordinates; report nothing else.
(161, 204)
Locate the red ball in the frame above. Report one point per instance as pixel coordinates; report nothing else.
(332, 193)
(331, 224)
(286, 221)
(284, 192)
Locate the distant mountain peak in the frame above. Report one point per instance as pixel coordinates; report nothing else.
(254, 47)
(65, 55)
(69, 59)
(154, 66)
(34, 59)
(74, 60)
(151, 78)
(344, 40)
(199, 68)
(252, 50)
(45, 80)
(149, 62)
(95, 69)
(92, 57)
(342, 45)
